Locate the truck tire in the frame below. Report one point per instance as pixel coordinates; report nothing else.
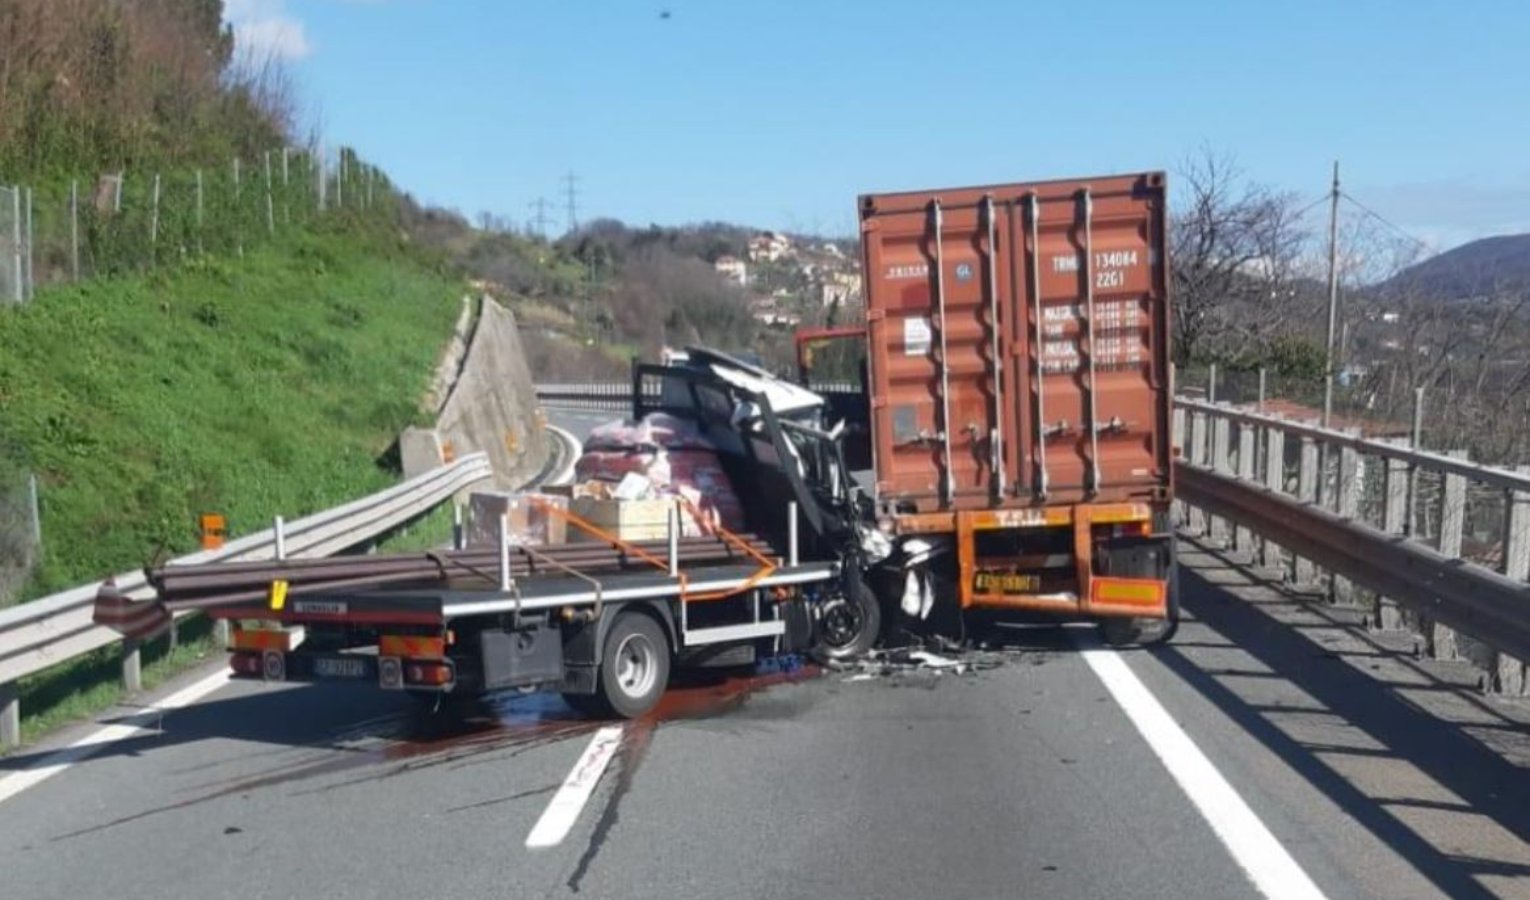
(634, 669)
(849, 621)
(1122, 632)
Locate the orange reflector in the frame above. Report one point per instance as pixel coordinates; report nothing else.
(411, 646)
(1144, 596)
(214, 529)
(284, 640)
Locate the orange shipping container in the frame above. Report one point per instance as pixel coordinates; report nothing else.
(1019, 344)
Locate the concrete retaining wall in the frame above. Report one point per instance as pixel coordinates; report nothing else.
(491, 406)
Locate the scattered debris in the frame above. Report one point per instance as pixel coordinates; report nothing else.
(898, 661)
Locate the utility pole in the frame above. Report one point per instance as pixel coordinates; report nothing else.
(570, 181)
(1333, 295)
(539, 221)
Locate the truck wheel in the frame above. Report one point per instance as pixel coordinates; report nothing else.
(849, 621)
(634, 670)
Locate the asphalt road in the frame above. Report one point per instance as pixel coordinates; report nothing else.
(1027, 776)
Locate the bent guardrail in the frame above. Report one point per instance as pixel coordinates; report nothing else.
(57, 628)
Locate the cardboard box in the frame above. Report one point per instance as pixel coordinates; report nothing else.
(629, 520)
(530, 524)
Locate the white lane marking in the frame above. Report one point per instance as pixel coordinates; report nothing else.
(563, 811)
(1268, 865)
(97, 740)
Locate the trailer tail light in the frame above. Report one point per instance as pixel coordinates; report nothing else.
(431, 674)
(246, 664)
(1143, 528)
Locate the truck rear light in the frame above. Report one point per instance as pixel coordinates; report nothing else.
(1143, 528)
(427, 673)
(245, 664)
(271, 638)
(411, 646)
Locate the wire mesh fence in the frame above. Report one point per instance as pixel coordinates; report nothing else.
(68, 229)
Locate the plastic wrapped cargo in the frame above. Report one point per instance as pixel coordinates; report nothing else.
(674, 458)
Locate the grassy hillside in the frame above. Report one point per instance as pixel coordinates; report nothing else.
(268, 385)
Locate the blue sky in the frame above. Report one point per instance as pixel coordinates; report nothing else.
(780, 113)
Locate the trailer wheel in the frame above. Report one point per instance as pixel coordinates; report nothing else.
(849, 620)
(1122, 632)
(634, 669)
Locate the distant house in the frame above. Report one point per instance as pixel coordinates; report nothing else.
(769, 246)
(733, 269)
(832, 250)
(843, 288)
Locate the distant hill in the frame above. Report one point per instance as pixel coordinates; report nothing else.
(1469, 270)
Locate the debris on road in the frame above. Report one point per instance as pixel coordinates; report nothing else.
(900, 661)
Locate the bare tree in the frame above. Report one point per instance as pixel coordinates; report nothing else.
(1236, 248)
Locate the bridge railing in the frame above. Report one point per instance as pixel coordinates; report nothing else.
(1417, 540)
(55, 629)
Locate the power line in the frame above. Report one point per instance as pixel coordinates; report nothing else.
(570, 182)
(1385, 221)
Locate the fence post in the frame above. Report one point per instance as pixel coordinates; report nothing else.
(1509, 674)
(1179, 423)
(33, 510)
(1341, 589)
(199, 212)
(1397, 478)
(1441, 639)
(1275, 480)
(238, 231)
(1243, 537)
(270, 209)
(286, 187)
(1306, 491)
(10, 715)
(1198, 443)
(31, 280)
(1221, 463)
(154, 223)
(18, 292)
(74, 228)
(132, 665)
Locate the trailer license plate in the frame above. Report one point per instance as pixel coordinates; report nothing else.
(1006, 583)
(339, 668)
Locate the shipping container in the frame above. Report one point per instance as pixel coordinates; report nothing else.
(1018, 344)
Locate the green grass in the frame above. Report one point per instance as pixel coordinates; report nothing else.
(270, 385)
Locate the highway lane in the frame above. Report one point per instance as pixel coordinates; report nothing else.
(1381, 776)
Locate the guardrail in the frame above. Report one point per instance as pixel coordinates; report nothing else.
(1441, 542)
(615, 396)
(54, 629)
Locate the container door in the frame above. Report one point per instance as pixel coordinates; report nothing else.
(938, 339)
(1095, 354)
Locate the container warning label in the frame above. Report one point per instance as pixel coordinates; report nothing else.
(916, 336)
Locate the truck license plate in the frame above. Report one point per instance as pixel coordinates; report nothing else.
(339, 668)
(1006, 583)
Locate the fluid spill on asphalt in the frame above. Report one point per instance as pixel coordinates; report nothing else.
(700, 695)
(467, 734)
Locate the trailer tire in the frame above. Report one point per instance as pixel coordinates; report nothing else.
(634, 669)
(1122, 632)
(849, 622)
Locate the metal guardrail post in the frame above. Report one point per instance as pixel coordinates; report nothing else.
(10, 715)
(1397, 478)
(132, 666)
(1274, 479)
(1248, 449)
(1221, 463)
(1306, 491)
